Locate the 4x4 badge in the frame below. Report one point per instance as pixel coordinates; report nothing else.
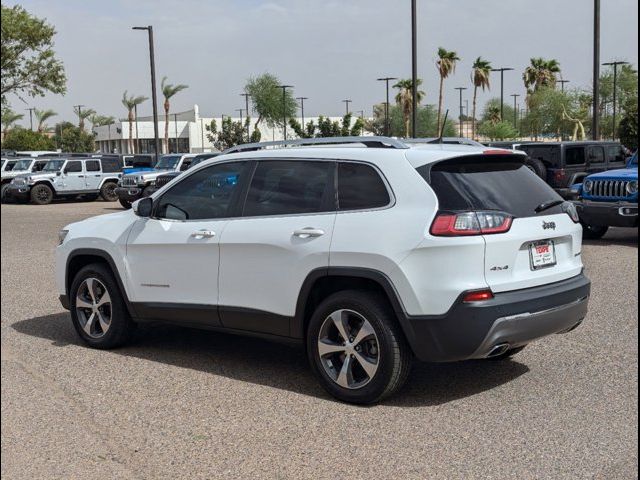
(548, 225)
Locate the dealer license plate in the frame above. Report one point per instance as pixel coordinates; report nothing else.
(542, 254)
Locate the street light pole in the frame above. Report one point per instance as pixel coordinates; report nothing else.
(562, 83)
(246, 104)
(347, 102)
(175, 124)
(615, 90)
(515, 110)
(386, 105)
(595, 127)
(461, 89)
(302, 99)
(501, 70)
(414, 69)
(284, 108)
(154, 98)
(137, 144)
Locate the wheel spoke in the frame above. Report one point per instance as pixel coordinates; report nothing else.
(326, 347)
(89, 324)
(368, 366)
(339, 319)
(90, 285)
(104, 300)
(345, 377)
(82, 303)
(366, 330)
(104, 325)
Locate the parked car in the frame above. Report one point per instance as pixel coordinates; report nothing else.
(608, 199)
(35, 153)
(563, 164)
(138, 184)
(22, 166)
(165, 178)
(143, 162)
(61, 177)
(8, 164)
(367, 255)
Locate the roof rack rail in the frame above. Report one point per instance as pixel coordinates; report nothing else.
(371, 142)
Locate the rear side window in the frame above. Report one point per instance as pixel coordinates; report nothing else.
(549, 154)
(575, 156)
(489, 184)
(110, 165)
(73, 167)
(93, 166)
(290, 187)
(360, 187)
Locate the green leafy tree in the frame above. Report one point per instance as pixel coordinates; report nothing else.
(231, 133)
(480, 76)
(267, 102)
(9, 118)
(327, 128)
(404, 98)
(70, 138)
(426, 126)
(498, 131)
(628, 129)
(540, 73)
(28, 62)
(168, 91)
(41, 118)
(83, 115)
(446, 63)
(627, 90)
(25, 139)
(491, 112)
(130, 103)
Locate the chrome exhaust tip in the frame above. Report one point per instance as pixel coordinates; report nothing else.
(498, 350)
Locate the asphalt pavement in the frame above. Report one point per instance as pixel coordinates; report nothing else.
(180, 403)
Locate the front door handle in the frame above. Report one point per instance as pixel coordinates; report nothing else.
(204, 234)
(308, 232)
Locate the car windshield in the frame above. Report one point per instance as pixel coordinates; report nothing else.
(23, 164)
(53, 166)
(168, 162)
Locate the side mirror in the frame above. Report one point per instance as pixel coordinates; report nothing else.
(143, 207)
(58, 173)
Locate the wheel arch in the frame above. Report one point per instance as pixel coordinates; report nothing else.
(44, 182)
(108, 179)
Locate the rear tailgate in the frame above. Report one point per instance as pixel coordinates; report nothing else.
(542, 245)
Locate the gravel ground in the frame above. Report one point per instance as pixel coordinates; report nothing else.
(183, 403)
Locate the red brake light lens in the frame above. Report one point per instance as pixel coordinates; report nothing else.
(477, 296)
(499, 151)
(470, 223)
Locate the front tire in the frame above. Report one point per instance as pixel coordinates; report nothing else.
(108, 192)
(125, 203)
(98, 310)
(356, 348)
(592, 232)
(41, 194)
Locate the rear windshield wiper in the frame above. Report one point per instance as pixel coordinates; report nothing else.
(547, 205)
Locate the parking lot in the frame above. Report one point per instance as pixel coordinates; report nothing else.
(181, 403)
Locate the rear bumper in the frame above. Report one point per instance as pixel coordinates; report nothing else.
(130, 194)
(473, 330)
(608, 214)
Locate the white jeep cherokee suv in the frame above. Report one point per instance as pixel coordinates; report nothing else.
(369, 253)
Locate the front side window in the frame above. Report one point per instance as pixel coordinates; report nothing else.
(208, 193)
(596, 155)
(73, 167)
(615, 154)
(23, 164)
(53, 166)
(285, 187)
(360, 187)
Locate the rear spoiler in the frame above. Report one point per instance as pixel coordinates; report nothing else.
(492, 156)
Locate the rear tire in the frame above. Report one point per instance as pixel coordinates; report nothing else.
(125, 203)
(108, 325)
(147, 191)
(508, 354)
(108, 192)
(41, 194)
(537, 167)
(5, 186)
(592, 232)
(373, 362)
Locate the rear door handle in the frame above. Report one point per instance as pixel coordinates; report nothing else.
(204, 234)
(308, 232)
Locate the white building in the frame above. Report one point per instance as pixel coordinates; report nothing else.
(187, 132)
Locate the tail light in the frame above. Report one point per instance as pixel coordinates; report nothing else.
(498, 151)
(571, 210)
(477, 296)
(559, 176)
(470, 223)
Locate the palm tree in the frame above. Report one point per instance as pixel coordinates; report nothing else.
(480, 73)
(541, 73)
(83, 115)
(130, 103)
(446, 66)
(41, 117)
(9, 117)
(404, 98)
(169, 90)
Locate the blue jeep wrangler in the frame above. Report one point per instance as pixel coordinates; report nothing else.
(608, 199)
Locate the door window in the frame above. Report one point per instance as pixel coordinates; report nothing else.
(74, 166)
(596, 155)
(615, 154)
(207, 194)
(575, 156)
(285, 187)
(93, 166)
(360, 187)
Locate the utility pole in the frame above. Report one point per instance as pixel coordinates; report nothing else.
(461, 89)
(386, 105)
(615, 90)
(501, 70)
(302, 99)
(347, 102)
(246, 104)
(154, 98)
(595, 128)
(414, 69)
(31, 116)
(562, 83)
(137, 144)
(175, 124)
(515, 110)
(284, 108)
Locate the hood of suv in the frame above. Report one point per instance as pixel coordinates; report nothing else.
(620, 174)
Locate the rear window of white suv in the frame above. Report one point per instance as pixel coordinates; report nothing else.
(489, 183)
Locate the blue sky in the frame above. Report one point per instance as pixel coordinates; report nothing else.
(329, 50)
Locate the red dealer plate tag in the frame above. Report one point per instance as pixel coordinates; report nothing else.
(542, 254)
